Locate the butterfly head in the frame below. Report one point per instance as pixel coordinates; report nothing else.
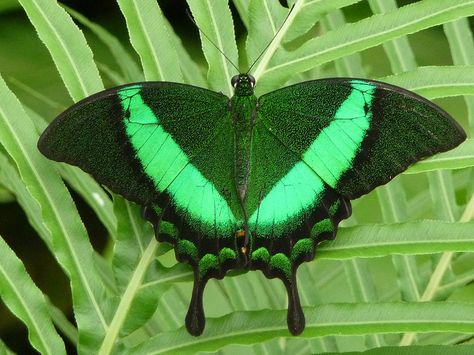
(243, 84)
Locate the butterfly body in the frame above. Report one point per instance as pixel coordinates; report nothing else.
(249, 183)
(244, 119)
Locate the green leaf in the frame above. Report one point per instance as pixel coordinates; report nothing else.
(133, 235)
(323, 320)
(192, 72)
(363, 290)
(8, 5)
(68, 236)
(127, 297)
(93, 194)
(458, 158)
(4, 350)
(358, 36)
(214, 19)
(150, 38)
(443, 195)
(127, 64)
(67, 46)
(115, 77)
(63, 324)
(157, 281)
(134, 256)
(399, 51)
(423, 237)
(310, 13)
(350, 65)
(6, 195)
(436, 82)
(461, 43)
(10, 177)
(26, 301)
(265, 19)
(242, 7)
(275, 44)
(303, 16)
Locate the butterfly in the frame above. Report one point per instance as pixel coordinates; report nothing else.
(249, 183)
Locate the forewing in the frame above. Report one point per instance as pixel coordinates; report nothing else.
(144, 139)
(357, 134)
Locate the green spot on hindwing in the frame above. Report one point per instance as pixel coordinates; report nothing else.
(227, 254)
(261, 255)
(188, 249)
(170, 230)
(206, 264)
(302, 247)
(322, 226)
(280, 263)
(334, 208)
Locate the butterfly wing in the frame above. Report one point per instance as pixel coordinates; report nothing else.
(357, 134)
(319, 144)
(94, 134)
(168, 147)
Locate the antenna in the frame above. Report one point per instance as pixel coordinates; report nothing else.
(205, 35)
(260, 55)
(271, 41)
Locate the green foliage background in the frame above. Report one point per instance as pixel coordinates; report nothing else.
(401, 269)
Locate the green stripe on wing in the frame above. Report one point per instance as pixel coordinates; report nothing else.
(168, 166)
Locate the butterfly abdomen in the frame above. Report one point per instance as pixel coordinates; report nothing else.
(243, 116)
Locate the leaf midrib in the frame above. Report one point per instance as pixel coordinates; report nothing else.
(148, 40)
(32, 167)
(26, 310)
(78, 76)
(127, 299)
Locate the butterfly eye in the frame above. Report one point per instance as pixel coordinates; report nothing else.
(252, 80)
(234, 80)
